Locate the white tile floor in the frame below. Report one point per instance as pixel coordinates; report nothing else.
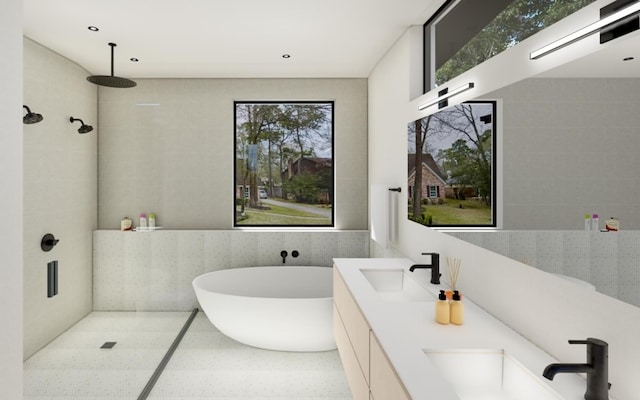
(206, 365)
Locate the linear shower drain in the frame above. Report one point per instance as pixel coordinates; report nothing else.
(108, 345)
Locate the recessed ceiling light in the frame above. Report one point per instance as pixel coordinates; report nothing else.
(286, 56)
(134, 59)
(93, 28)
(627, 59)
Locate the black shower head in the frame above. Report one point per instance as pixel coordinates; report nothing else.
(31, 117)
(111, 80)
(84, 128)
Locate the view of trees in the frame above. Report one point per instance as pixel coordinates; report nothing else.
(517, 22)
(461, 141)
(284, 151)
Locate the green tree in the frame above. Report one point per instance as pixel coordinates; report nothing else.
(518, 21)
(258, 122)
(304, 123)
(468, 160)
(304, 187)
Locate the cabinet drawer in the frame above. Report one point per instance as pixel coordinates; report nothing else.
(355, 378)
(384, 382)
(356, 326)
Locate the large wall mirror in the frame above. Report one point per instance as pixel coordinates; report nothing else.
(571, 146)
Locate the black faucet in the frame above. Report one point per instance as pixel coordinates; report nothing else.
(434, 266)
(284, 255)
(596, 368)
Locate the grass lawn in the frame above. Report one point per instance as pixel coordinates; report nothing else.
(450, 213)
(281, 216)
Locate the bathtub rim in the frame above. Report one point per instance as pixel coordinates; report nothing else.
(204, 275)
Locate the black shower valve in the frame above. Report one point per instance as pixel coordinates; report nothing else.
(48, 242)
(295, 253)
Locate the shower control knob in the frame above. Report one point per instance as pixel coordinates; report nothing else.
(48, 242)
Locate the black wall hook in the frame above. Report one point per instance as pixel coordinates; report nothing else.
(48, 242)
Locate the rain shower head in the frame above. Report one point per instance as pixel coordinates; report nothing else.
(84, 128)
(31, 117)
(111, 80)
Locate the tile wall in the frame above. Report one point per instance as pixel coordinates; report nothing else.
(610, 261)
(152, 271)
(60, 192)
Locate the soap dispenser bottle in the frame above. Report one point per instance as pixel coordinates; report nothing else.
(442, 309)
(457, 309)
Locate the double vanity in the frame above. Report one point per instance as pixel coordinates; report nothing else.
(393, 349)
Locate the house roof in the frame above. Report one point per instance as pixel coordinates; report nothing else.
(428, 161)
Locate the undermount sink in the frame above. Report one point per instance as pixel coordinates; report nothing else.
(478, 374)
(396, 285)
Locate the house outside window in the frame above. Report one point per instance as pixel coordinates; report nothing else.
(452, 166)
(284, 169)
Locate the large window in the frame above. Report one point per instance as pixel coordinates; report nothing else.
(452, 167)
(464, 33)
(284, 174)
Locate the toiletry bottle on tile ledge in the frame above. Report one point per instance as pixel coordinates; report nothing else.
(457, 309)
(587, 222)
(152, 220)
(442, 309)
(595, 223)
(143, 220)
(125, 224)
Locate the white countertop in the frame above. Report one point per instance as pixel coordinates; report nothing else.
(405, 329)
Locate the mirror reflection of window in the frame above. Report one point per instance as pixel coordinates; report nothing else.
(452, 167)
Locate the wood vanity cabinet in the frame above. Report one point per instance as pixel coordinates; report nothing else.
(384, 382)
(369, 373)
(351, 331)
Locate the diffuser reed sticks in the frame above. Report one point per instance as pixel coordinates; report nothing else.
(453, 265)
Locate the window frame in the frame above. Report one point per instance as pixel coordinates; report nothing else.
(331, 194)
(495, 165)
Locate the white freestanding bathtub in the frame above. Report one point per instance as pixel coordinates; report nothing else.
(276, 308)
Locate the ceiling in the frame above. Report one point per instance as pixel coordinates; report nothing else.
(224, 38)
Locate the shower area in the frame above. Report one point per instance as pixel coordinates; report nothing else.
(143, 338)
(110, 314)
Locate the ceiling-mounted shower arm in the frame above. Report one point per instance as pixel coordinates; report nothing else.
(111, 80)
(113, 46)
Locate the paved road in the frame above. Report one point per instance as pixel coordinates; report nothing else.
(300, 207)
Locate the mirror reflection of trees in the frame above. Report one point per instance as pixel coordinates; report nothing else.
(451, 166)
(284, 152)
(521, 19)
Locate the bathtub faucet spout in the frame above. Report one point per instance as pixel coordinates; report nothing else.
(284, 255)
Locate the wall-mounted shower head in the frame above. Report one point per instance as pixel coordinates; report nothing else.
(84, 128)
(31, 117)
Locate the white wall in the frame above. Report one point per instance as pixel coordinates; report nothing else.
(609, 261)
(11, 199)
(546, 310)
(60, 193)
(176, 159)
